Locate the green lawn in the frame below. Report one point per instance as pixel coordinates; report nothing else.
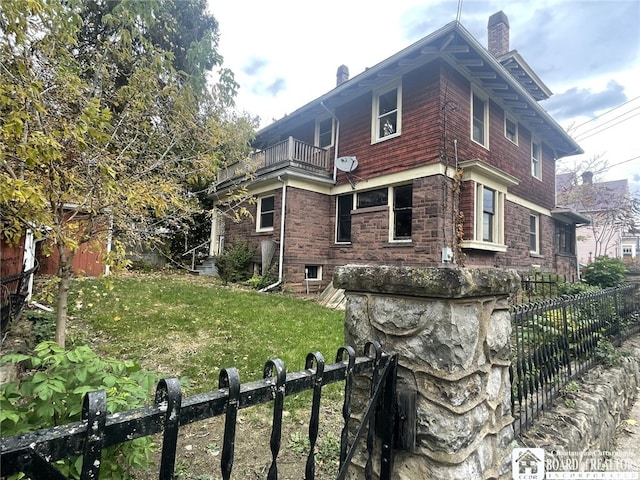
(179, 325)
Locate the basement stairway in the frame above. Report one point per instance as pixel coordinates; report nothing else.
(207, 267)
(333, 297)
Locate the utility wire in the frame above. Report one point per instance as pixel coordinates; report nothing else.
(578, 135)
(607, 128)
(608, 111)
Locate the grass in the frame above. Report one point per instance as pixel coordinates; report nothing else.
(181, 325)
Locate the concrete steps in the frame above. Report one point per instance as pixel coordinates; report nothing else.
(207, 267)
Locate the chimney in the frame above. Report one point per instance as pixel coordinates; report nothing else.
(342, 75)
(587, 178)
(498, 34)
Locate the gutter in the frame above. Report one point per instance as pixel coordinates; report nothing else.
(281, 256)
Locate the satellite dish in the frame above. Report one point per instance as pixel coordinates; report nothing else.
(346, 164)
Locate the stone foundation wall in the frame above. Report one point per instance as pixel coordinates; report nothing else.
(586, 420)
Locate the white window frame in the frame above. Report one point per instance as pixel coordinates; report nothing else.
(319, 121)
(508, 118)
(536, 162)
(534, 233)
(317, 278)
(259, 227)
(498, 216)
(392, 215)
(485, 119)
(375, 112)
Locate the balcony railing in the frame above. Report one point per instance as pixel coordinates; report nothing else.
(290, 152)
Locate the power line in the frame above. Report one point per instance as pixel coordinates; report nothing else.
(617, 164)
(608, 111)
(610, 126)
(578, 135)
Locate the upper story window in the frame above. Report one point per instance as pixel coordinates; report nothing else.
(387, 113)
(324, 133)
(510, 130)
(479, 120)
(266, 206)
(536, 159)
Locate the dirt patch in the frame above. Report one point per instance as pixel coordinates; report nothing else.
(200, 444)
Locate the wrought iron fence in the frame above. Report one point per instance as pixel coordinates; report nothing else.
(557, 340)
(540, 286)
(33, 453)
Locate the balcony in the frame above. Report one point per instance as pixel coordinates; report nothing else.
(289, 154)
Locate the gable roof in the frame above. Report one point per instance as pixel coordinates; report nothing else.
(455, 45)
(595, 197)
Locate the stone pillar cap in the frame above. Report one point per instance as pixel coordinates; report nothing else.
(434, 282)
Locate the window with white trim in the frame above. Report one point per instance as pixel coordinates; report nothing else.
(313, 272)
(536, 159)
(266, 207)
(402, 212)
(534, 233)
(324, 132)
(489, 225)
(479, 120)
(343, 218)
(511, 130)
(387, 113)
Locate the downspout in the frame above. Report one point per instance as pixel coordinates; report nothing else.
(282, 221)
(337, 139)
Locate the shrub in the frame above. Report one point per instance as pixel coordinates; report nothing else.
(604, 272)
(51, 393)
(574, 288)
(233, 264)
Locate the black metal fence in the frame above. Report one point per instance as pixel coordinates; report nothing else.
(33, 453)
(540, 286)
(557, 340)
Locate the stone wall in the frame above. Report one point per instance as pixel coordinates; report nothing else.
(586, 416)
(451, 330)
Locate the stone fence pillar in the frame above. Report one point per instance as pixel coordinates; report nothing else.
(451, 329)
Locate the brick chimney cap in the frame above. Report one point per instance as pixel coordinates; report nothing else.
(499, 17)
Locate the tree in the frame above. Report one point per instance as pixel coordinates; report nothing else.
(611, 208)
(108, 123)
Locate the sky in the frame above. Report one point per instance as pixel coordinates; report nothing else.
(285, 54)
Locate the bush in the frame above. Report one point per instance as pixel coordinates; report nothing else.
(52, 391)
(604, 272)
(575, 288)
(233, 264)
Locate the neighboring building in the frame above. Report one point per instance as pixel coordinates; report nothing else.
(438, 154)
(608, 206)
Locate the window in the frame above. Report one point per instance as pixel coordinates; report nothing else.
(324, 133)
(313, 272)
(536, 159)
(343, 228)
(373, 198)
(510, 130)
(565, 238)
(265, 213)
(479, 120)
(402, 212)
(534, 233)
(627, 251)
(387, 114)
(488, 214)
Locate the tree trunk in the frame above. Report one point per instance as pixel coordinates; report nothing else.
(64, 274)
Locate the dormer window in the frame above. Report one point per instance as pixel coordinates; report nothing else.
(387, 113)
(324, 133)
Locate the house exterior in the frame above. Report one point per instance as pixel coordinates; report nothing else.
(438, 154)
(608, 207)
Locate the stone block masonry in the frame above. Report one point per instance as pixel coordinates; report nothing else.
(451, 329)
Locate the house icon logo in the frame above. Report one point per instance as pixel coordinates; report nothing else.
(527, 463)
